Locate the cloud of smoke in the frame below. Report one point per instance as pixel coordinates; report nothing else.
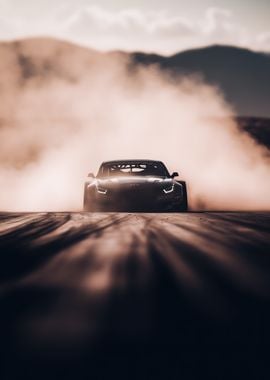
(61, 130)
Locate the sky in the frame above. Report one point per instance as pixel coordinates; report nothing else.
(159, 26)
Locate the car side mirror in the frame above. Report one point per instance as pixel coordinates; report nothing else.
(91, 175)
(174, 174)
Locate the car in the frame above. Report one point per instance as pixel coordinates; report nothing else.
(134, 185)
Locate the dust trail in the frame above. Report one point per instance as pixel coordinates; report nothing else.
(61, 129)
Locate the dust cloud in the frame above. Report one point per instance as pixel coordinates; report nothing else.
(59, 131)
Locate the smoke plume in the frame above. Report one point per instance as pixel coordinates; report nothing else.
(53, 133)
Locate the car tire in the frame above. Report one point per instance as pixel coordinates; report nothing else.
(183, 207)
(86, 199)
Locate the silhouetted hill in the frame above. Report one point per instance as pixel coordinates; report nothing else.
(258, 128)
(44, 58)
(38, 64)
(242, 75)
(36, 67)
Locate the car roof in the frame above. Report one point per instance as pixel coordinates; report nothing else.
(130, 162)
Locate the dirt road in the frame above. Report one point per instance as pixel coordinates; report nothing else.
(134, 295)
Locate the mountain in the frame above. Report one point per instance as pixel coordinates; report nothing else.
(31, 70)
(47, 88)
(242, 75)
(257, 127)
(24, 61)
(37, 65)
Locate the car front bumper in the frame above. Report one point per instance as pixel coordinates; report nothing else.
(121, 201)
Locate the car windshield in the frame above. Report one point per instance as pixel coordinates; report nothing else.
(156, 169)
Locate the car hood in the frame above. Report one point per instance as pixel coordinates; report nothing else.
(134, 180)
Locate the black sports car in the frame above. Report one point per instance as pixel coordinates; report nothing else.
(134, 185)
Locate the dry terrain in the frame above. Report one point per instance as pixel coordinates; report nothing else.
(119, 295)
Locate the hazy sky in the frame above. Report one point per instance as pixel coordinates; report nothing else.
(161, 26)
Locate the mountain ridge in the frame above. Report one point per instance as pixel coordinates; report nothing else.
(242, 75)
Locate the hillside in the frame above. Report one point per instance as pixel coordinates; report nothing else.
(258, 128)
(242, 75)
(31, 70)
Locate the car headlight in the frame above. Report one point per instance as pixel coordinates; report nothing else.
(101, 190)
(169, 189)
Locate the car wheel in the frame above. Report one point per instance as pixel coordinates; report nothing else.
(87, 204)
(183, 207)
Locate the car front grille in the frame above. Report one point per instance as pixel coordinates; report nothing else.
(135, 191)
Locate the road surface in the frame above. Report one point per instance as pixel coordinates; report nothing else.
(124, 295)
